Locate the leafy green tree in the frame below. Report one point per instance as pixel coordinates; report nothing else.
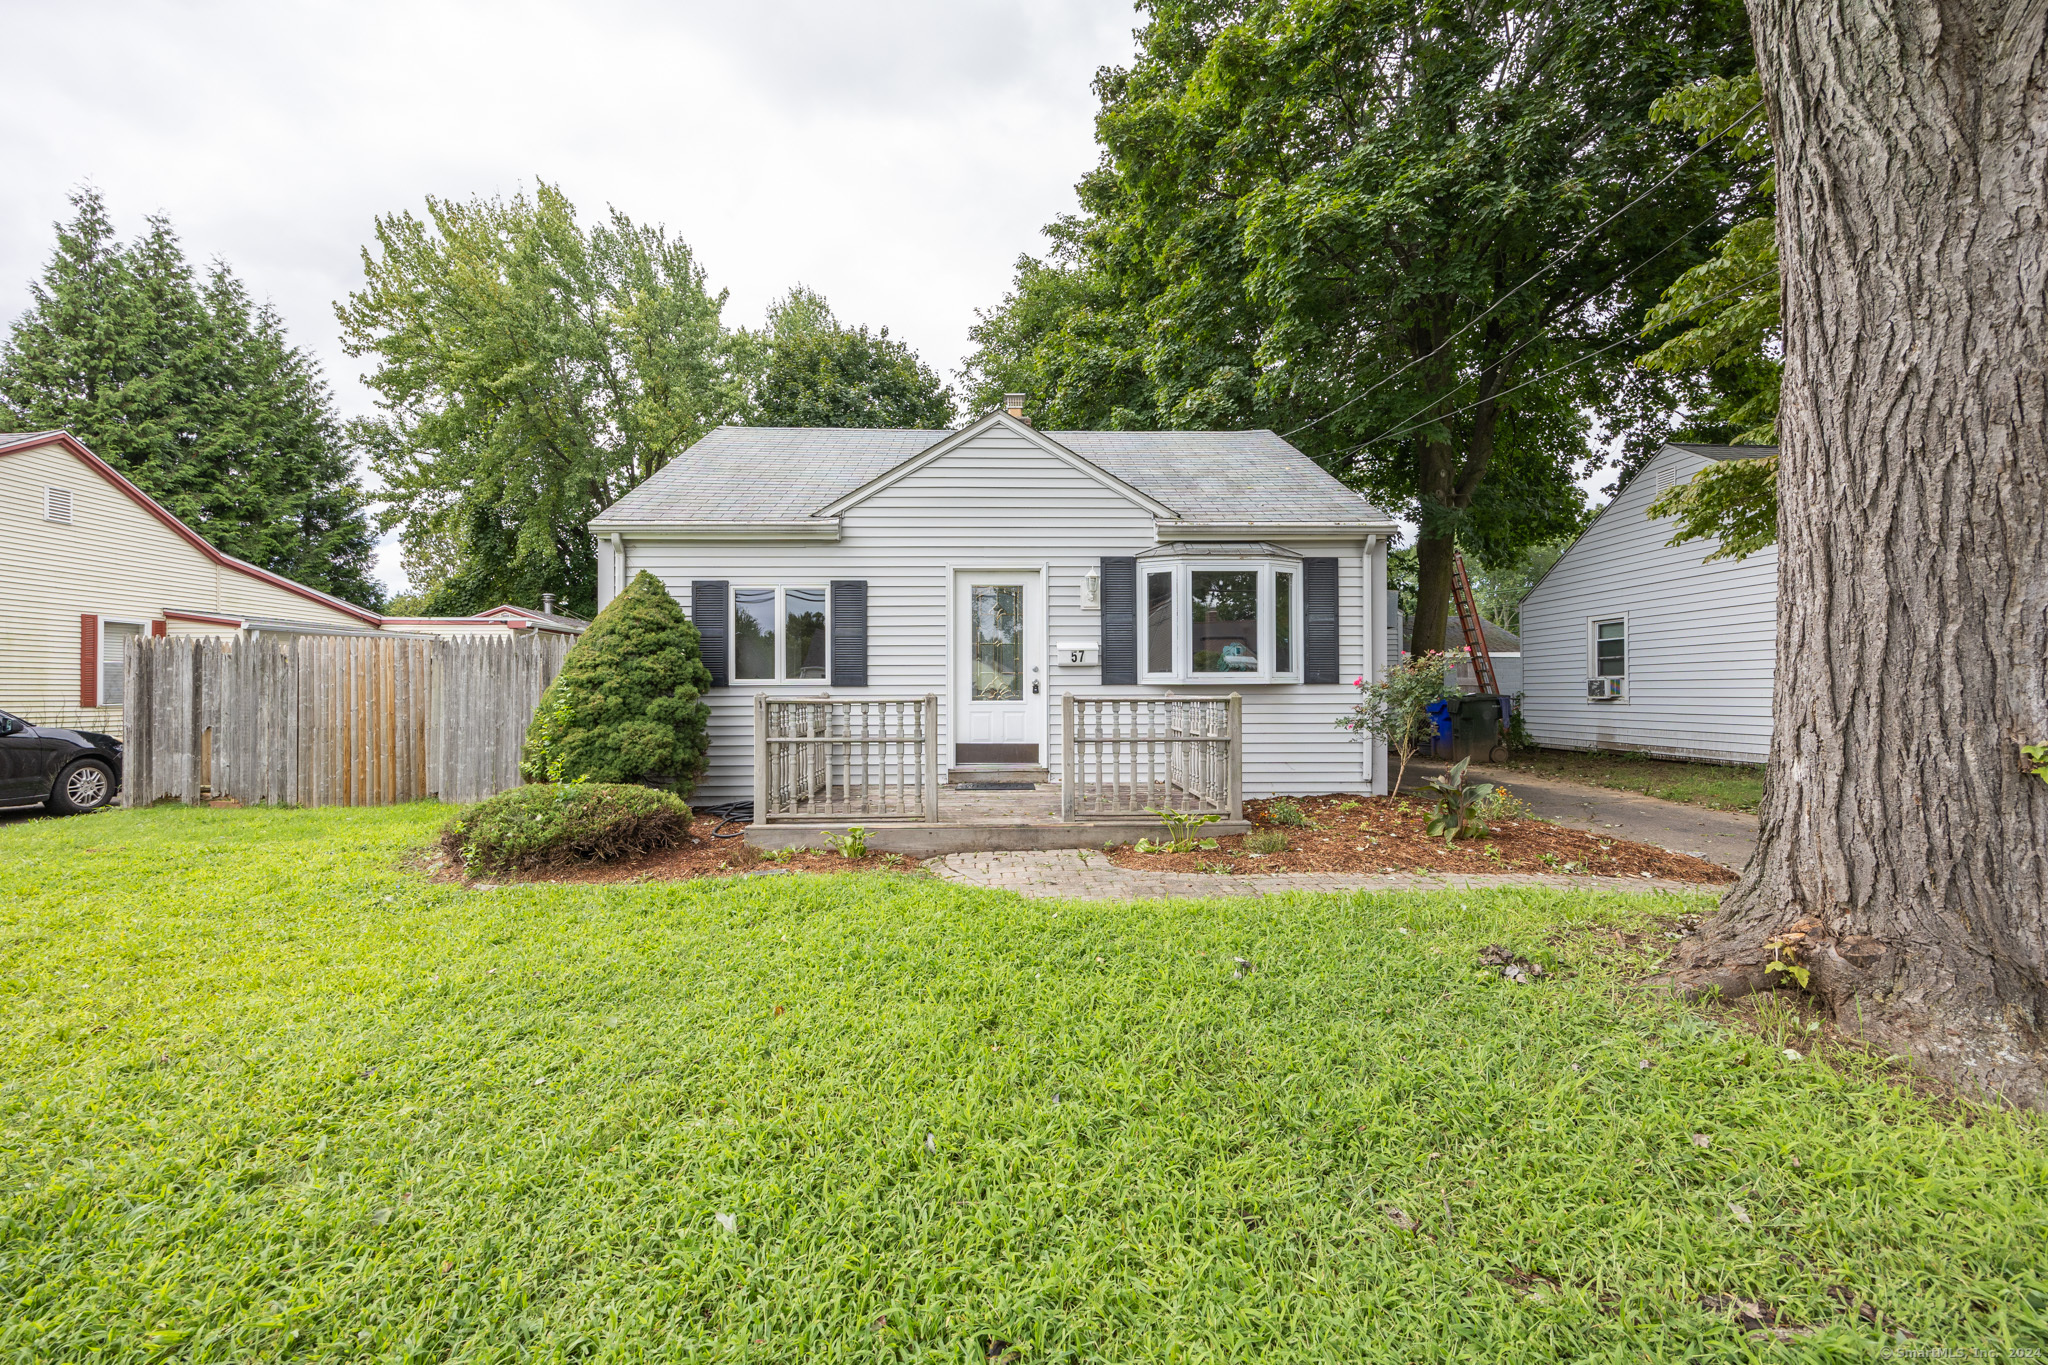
(628, 705)
(530, 372)
(1727, 314)
(1419, 241)
(1499, 589)
(194, 392)
(812, 371)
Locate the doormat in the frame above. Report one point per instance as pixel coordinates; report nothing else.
(995, 786)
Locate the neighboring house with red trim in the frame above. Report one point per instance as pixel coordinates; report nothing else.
(90, 561)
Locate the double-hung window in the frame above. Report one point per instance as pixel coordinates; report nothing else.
(779, 635)
(1221, 614)
(1608, 648)
(114, 638)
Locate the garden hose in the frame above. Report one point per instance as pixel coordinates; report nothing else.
(739, 813)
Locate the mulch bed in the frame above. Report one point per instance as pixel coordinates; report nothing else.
(701, 856)
(1369, 835)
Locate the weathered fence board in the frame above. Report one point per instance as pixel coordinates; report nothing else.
(325, 720)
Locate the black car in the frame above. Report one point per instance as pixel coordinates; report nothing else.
(70, 771)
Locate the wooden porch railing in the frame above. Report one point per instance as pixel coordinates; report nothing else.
(1127, 755)
(819, 759)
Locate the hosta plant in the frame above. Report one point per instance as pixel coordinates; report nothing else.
(1459, 805)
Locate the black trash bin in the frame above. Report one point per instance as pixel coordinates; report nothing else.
(1476, 728)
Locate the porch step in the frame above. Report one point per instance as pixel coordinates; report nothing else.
(997, 772)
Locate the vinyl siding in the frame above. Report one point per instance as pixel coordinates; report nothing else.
(1701, 637)
(1001, 502)
(116, 561)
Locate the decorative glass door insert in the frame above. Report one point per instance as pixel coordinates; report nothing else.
(996, 613)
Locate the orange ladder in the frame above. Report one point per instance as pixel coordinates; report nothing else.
(1475, 634)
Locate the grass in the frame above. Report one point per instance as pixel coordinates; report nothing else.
(1718, 786)
(265, 1095)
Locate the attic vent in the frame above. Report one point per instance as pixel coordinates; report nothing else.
(57, 505)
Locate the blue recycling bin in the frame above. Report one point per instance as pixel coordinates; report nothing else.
(1439, 729)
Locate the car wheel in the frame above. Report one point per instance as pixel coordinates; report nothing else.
(84, 786)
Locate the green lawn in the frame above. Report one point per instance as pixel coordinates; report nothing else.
(268, 1096)
(1721, 786)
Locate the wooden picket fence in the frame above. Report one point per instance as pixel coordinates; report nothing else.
(330, 720)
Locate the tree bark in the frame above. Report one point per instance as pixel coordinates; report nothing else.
(1904, 852)
(1432, 593)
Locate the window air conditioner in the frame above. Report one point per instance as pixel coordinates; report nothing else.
(1603, 689)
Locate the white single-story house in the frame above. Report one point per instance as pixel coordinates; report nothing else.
(1000, 566)
(91, 561)
(1633, 644)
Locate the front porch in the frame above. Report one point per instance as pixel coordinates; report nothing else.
(825, 764)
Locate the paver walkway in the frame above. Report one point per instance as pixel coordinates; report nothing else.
(1720, 836)
(1080, 874)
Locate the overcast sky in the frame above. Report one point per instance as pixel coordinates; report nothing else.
(897, 157)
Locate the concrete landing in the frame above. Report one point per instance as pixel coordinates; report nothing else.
(974, 821)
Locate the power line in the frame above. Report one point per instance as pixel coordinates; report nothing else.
(1543, 270)
(1402, 428)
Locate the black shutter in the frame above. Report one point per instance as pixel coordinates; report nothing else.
(1120, 621)
(849, 632)
(1319, 623)
(707, 612)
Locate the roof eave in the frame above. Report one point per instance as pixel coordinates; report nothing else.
(1168, 531)
(802, 528)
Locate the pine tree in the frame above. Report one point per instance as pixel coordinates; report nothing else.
(195, 395)
(628, 705)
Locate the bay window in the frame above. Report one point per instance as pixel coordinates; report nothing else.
(1159, 621)
(779, 635)
(1221, 613)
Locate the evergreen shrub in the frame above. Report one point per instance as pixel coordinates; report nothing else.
(629, 703)
(551, 824)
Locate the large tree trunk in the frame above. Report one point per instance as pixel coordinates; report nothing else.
(1905, 850)
(1433, 556)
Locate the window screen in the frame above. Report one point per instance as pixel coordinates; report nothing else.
(113, 659)
(1159, 623)
(1610, 649)
(804, 642)
(753, 635)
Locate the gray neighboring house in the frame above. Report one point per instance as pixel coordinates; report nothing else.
(1631, 644)
(1502, 645)
(998, 566)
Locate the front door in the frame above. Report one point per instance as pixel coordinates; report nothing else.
(999, 673)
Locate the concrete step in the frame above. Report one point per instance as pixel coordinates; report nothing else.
(997, 772)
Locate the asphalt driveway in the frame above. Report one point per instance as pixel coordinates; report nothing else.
(1724, 837)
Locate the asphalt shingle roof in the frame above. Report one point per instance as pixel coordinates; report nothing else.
(1727, 452)
(743, 474)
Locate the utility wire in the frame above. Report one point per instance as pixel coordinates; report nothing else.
(1402, 428)
(1541, 271)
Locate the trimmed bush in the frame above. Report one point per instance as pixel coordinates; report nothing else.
(629, 704)
(548, 825)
